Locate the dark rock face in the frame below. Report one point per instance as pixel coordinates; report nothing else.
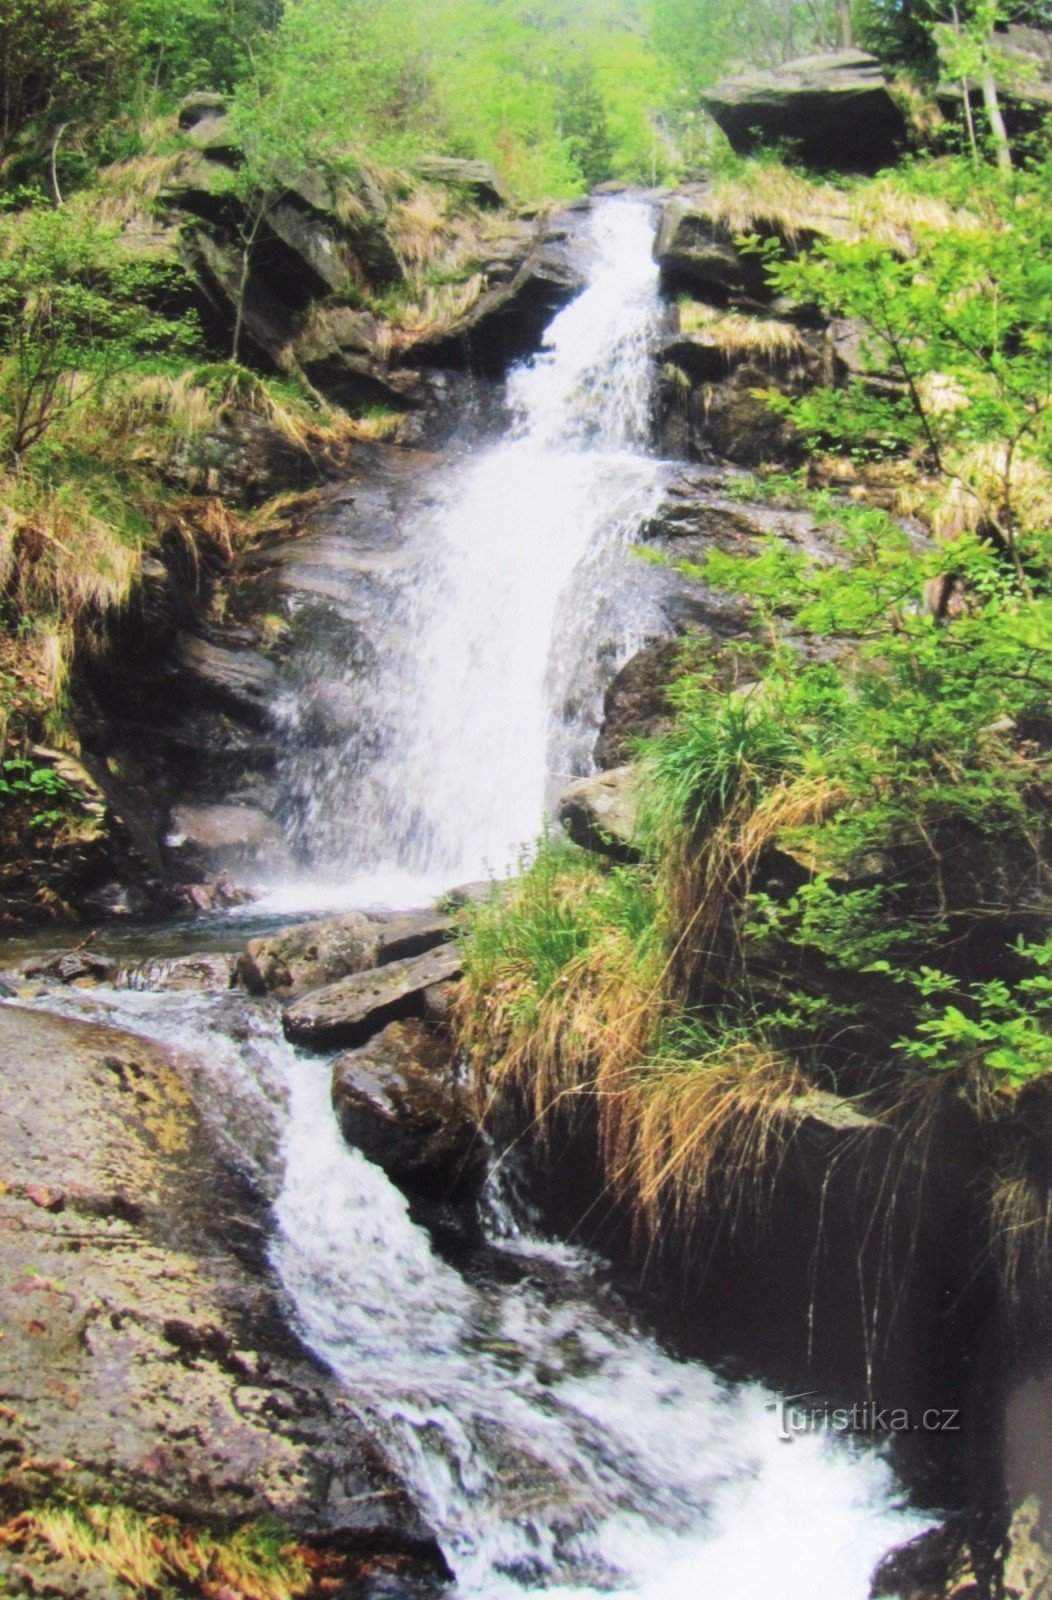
(351, 1011)
(150, 1364)
(396, 1102)
(637, 702)
(695, 252)
(834, 111)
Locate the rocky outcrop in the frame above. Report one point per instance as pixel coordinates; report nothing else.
(322, 246)
(696, 251)
(829, 111)
(602, 813)
(475, 179)
(526, 285)
(350, 1012)
(208, 839)
(315, 954)
(145, 1357)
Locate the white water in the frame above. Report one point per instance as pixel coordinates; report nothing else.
(520, 583)
(551, 1443)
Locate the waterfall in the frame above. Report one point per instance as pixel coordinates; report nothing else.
(520, 582)
(552, 1444)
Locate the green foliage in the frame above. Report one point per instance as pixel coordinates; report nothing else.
(27, 785)
(962, 325)
(196, 44)
(59, 62)
(72, 315)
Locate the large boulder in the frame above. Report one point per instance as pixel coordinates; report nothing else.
(832, 111)
(351, 1011)
(527, 281)
(145, 1359)
(396, 1102)
(602, 813)
(476, 179)
(205, 839)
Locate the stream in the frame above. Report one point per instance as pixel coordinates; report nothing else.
(550, 1439)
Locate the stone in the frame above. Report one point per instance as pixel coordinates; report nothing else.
(223, 836)
(195, 974)
(832, 111)
(695, 252)
(637, 702)
(601, 813)
(313, 954)
(477, 179)
(200, 106)
(348, 1013)
(151, 1364)
(1028, 1558)
(396, 1102)
(510, 318)
(239, 680)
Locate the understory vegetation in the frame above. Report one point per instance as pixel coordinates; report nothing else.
(839, 905)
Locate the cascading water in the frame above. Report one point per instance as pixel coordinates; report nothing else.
(520, 576)
(551, 1443)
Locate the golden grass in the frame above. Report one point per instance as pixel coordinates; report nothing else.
(989, 482)
(127, 190)
(149, 1554)
(737, 336)
(767, 197)
(690, 1116)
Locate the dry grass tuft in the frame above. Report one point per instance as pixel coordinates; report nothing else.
(767, 197)
(988, 484)
(684, 1136)
(151, 1554)
(739, 337)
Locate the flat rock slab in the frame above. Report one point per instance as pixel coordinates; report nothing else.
(313, 954)
(348, 1013)
(144, 1359)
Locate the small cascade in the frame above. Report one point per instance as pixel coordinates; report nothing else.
(553, 1445)
(517, 606)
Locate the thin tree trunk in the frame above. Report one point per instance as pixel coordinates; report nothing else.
(1002, 147)
(56, 141)
(847, 28)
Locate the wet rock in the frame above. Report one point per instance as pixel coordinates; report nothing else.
(144, 1360)
(198, 974)
(72, 966)
(637, 702)
(309, 955)
(475, 179)
(396, 1102)
(313, 954)
(212, 837)
(833, 110)
(339, 352)
(240, 680)
(936, 1565)
(601, 813)
(350, 1012)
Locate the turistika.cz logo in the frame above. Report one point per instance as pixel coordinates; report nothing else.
(805, 1413)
